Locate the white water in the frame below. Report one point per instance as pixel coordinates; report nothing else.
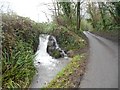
(41, 55)
(57, 47)
(55, 42)
(48, 67)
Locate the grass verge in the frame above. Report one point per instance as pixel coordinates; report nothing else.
(111, 35)
(70, 76)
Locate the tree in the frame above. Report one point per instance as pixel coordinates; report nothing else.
(102, 12)
(66, 8)
(78, 15)
(91, 11)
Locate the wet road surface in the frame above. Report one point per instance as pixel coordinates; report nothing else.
(102, 68)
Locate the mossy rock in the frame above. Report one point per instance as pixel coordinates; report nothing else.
(55, 54)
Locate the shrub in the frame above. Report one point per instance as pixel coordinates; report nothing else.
(20, 40)
(18, 70)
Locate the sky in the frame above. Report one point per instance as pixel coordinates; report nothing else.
(30, 8)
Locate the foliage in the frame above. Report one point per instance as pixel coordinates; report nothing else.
(85, 25)
(55, 53)
(68, 40)
(111, 35)
(66, 14)
(18, 70)
(19, 42)
(18, 27)
(105, 19)
(66, 8)
(104, 16)
(68, 32)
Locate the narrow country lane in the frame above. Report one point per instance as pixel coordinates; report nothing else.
(102, 68)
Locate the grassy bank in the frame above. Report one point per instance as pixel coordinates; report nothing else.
(68, 40)
(70, 76)
(111, 35)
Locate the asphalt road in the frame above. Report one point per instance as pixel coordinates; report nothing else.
(102, 68)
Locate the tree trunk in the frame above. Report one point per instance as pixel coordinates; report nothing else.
(78, 15)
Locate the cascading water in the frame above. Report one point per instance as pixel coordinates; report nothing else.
(41, 55)
(57, 47)
(47, 67)
(55, 42)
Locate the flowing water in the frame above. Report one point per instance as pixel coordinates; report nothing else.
(47, 67)
(41, 55)
(57, 47)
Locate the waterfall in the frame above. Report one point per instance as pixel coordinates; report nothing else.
(57, 47)
(41, 56)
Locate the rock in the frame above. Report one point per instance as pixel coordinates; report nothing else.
(56, 54)
(70, 53)
(51, 43)
(53, 48)
(39, 62)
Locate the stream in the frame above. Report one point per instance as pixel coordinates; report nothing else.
(47, 66)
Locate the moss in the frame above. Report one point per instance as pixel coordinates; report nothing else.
(55, 54)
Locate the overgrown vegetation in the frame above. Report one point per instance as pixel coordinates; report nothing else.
(69, 77)
(18, 69)
(111, 35)
(105, 17)
(68, 31)
(69, 40)
(20, 40)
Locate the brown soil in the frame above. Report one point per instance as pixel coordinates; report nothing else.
(77, 76)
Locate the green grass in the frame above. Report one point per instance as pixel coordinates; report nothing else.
(18, 71)
(64, 77)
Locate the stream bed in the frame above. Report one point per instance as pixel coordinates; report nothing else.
(47, 72)
(47, 66)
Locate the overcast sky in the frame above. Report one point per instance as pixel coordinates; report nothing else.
(30, 8)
